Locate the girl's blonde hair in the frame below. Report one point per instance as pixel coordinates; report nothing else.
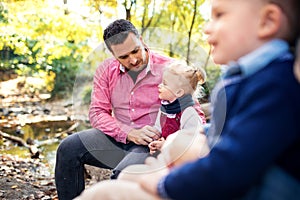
(188, 77)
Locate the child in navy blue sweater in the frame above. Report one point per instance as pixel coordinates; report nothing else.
(255, 132)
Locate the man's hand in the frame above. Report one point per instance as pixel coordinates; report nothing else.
(144, 135)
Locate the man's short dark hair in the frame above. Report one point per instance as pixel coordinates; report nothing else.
(117, 32)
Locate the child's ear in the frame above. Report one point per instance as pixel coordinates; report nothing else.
(180, 92)
(270, 21)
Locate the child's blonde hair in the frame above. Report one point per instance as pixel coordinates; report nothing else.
(188, 77)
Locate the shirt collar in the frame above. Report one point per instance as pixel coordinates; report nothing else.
(261, 57)
(122, 68)
(148, 67)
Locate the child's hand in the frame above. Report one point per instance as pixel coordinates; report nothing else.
(156, 145)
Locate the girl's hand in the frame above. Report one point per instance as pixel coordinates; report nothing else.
(156, 145)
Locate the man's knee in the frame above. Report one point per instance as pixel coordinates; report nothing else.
(65, 143)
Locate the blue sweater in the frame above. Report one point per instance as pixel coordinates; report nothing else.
(260, 129)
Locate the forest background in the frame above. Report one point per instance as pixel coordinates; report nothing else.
(49, 51)
(61, 41)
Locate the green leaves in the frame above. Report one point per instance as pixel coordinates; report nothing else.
(40, 37)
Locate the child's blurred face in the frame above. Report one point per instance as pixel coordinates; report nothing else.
(167, 89)
(232, 31)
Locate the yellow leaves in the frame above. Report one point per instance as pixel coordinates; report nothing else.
(31, 60)
(36, 20)
(1, 46)
(19, 47)
(59, 51)
(49, 59)
(42, 33)
(49, 80)
(37, 46)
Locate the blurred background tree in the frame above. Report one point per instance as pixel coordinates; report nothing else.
(61, 40)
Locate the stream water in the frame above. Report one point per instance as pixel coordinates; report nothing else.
(38, 133)
(34, 117)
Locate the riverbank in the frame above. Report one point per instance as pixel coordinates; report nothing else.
(25, 178)
(30, 117)
(30, 179)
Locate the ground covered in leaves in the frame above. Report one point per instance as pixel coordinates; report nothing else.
(28, 178)
(25, 179)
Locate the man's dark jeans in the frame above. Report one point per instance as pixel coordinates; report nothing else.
(94, 148)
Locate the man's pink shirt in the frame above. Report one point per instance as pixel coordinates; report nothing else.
(118, 104)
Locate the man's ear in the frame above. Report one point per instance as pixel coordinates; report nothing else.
(270, 21)
(179, 93)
